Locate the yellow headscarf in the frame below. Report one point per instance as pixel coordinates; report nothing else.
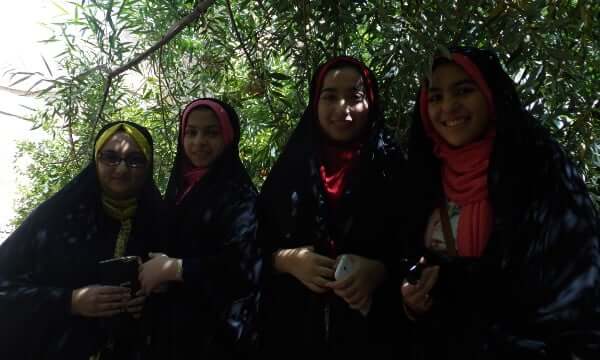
(122, 210)
(135, 134)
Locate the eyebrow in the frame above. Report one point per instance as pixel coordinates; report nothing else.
(330, 89)
(210, 126)
(455, 84)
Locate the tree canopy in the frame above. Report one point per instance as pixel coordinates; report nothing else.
(259, 56)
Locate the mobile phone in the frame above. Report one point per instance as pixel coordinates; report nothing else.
(344, 268)
(121, 271)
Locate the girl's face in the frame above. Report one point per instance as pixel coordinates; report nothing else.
(458, 110)
(202, 138)
(343, 109)
(121, 167)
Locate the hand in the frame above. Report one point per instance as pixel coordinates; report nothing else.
(313, 270)
(416, 297)
(135, 305)
(99, 301)
(357, 287)
(156, 271)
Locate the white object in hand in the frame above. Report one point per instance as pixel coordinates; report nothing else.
(342, 270)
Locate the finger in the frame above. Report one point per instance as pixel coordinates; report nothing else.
(354, 297)
(324, 261)
(343, 283)
(140, 292)
(348, 294)
(109, 298)
(314, 287)
(359, 304)
(106, 289)
(430, 276)
(107, 313)
(325, 272)
(320, 281)
(135, 309)
(136, 301)
(409, 289)
(99, 308)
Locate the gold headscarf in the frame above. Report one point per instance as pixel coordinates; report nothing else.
(122, 210)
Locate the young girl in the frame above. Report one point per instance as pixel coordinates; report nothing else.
(53, 302)
(212, 263)
(326, 196)
(506, 223)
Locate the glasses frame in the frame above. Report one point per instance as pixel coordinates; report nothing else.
(127, 160)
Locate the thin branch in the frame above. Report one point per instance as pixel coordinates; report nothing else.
(16, 116)
(162, 101)
(250, 60)
(171, 33)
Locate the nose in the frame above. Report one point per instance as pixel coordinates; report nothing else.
(199, 140)
(344, 108)
(449, 104)
(121, 166)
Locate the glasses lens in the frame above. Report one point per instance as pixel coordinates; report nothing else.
(110, 158)
(135, 161)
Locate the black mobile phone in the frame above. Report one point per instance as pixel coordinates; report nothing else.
(121, 271)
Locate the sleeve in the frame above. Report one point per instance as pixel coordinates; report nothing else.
(559, 288)
(26, 306)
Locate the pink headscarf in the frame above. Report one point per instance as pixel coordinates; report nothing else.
(192, 174)
(464, 170)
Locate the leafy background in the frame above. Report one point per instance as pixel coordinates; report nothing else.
(259, 56)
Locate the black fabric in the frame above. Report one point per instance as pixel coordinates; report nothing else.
(535, 292)
(294, 212)
(55, 251)
(213, 230)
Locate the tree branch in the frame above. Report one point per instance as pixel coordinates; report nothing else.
(252, 64)
(171, 33)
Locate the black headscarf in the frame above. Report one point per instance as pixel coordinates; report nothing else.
(295, 211)
(535, 289)
(227, 164)
(56, 250)
(212, 229)
(296, 171)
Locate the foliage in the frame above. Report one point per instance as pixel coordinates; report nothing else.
(259, 56)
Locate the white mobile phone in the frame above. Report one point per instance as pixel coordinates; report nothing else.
(344, 268)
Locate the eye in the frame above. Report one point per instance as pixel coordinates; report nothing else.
(110, 157)
(213, 132)
(464, 90)
(329, 97)
(434, 97)
(135, 161)
(190, 132)
(358, 96)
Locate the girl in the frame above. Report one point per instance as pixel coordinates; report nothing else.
(502, 214)
(213, 264)
(53, 303)
(326, 196)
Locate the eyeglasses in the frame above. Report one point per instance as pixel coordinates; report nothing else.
(111, 158)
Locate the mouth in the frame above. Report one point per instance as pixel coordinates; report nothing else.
(458, 121)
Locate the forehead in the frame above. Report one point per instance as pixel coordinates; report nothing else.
(448, 74)
(345, 77)
(202, 117)
(121, 141)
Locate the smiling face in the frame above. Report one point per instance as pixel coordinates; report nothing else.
(202, 138)
(457, 108)
(121, 181)
(343, 109)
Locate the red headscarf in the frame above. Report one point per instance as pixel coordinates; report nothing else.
(192, 174)
(464, 170)
(337, 161)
